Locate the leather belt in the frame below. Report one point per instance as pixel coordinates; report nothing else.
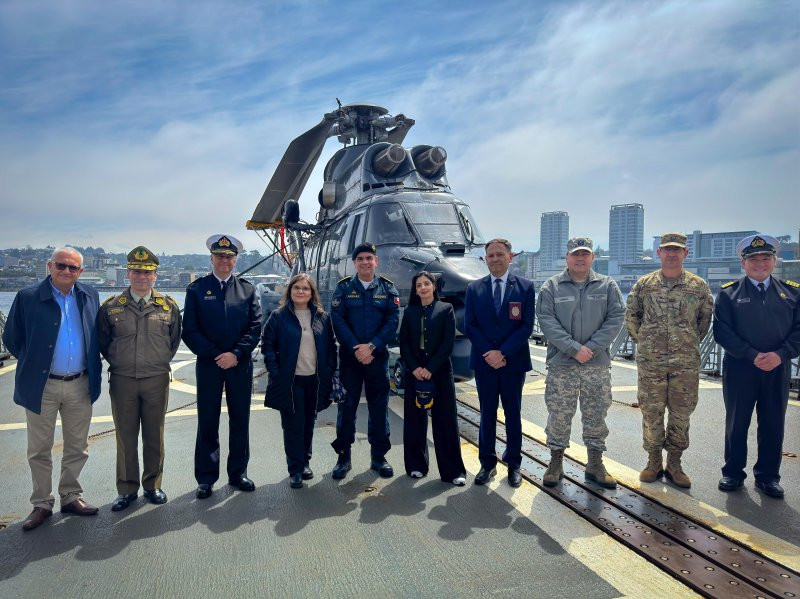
(66, 377)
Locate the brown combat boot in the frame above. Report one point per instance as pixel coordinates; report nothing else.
(654, 469)
(674, 472)
(555, 470)
(597, 472)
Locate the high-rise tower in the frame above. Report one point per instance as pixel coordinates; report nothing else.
(554, 234)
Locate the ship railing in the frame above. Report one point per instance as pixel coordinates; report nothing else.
(3, 351)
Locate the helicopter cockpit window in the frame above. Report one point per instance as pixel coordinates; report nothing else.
(470, 227)
(437, 223)
(387, 223)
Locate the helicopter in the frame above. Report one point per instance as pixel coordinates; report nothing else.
(375, 191)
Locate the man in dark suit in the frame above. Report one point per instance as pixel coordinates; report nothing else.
(222, 325)
(499, 320)
(757, 323)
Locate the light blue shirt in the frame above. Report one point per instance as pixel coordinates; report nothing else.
(755, 283)
(69, 355)
(503, 283)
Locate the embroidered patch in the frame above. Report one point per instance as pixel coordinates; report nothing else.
(561, 300)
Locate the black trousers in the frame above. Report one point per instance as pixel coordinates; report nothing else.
(238, 385)
(374, 378)
(745, 387)
(446, 441)
(493, 387)
(298, 426)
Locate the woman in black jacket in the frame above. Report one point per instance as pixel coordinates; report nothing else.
(427, 334)
(300, 355)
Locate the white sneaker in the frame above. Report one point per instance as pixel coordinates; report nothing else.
(459, 481)
(416, 474)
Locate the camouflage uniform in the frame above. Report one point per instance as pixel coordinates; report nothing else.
(564, 386)
(668, 318)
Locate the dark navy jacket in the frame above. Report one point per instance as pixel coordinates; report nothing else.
(366, 315)
(30, 335)
(280, 344)
(745, 326)
(487, 331)
(212, 327)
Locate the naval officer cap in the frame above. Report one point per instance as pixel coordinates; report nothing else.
(757, 244)
(579, 243)
(677, 240)
(140, 258)
(224, 245)
(364, 247)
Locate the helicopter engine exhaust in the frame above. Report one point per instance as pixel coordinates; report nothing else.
(430, 162)
(386, 161)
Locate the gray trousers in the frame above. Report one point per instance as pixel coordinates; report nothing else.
(565, 386)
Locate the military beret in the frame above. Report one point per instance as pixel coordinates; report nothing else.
(757, 244)
(364, 247)
(226, 245)
(140, 258)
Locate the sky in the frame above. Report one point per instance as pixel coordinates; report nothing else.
(127, 122)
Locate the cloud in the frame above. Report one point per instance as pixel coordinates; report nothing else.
(131, 124)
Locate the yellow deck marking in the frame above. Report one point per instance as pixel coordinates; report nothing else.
(8, 368)
(630, 574)
(781, 551)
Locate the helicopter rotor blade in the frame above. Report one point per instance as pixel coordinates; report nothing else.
(398, 134)
(293, 170)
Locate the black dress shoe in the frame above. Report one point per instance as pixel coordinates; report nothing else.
(243, 484)
(308, 473)
(156, 496)
(204, 491)
(296, 481)
(341, 468)
(484, 475)
(772, 489)
(514, 478)
(729, 483)
(123, 501)
(382, 467)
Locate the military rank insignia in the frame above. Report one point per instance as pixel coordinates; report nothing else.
(792, 283)
(141, 255)
(165, 307)
(159, 300)
(122, 300)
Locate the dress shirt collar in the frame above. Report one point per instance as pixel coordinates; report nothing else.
(136, 297)
(755, 283)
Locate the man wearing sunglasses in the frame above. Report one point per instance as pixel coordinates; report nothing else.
(51, 331)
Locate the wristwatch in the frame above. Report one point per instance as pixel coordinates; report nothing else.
(371, 347)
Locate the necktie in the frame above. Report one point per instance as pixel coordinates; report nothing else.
(497, 296)
(224, 288)
(762, 292)
(142, 303)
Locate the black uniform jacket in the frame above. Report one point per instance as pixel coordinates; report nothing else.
(440, 334)
(212, 327)
(280, 345)
(365, 315)
(744, 325)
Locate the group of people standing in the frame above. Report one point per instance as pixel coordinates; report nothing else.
(58, 331)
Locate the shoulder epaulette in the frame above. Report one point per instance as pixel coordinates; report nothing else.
(385, 279)
(110, 299)
(726, 285)
(791, 283)
(193, 284)
(171, 300)
(344, 280)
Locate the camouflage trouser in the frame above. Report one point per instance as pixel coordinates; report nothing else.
(672, 388)
(565, 385)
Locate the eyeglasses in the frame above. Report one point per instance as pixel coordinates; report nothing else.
(61, 266)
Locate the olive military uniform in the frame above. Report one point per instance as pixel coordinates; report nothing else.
(139, 341)
(668, 318)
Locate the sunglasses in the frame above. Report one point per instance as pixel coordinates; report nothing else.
(61, 266)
